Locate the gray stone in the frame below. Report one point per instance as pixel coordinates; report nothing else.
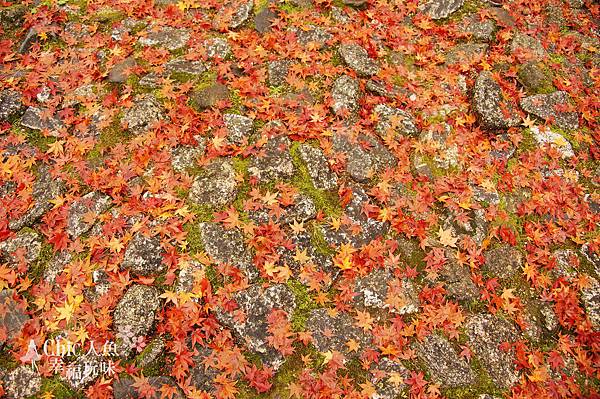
(121, 71)
(339, 15)
(217, 47)
(302, 244)
(143, 256)
(184, 157)
(546, 136)
(379, 89)
(13, 315)
(12, 16)
(318, 168)
(373, 292)
(331, 330)
(487, 97)
(504, 149)
(36, 119)
(445, 155)
(56, 265)
(151, 352)
(202, 375)
(535, 77)
(363, 162)
(525, 43)
(30, 38)
(457, 280)
(241, 15)
(312, 34)
(438, 9)
(503, 261)
(591, 256)
(81, 94)
(228, 247)
(45, 189)
(187, 276)
(475, 227)
(209, 96)
(485, 334)
(238, 127)
(388, 376)
(181, 65)
(257, 303)
(101, 286)
(591, 300)
(274, 161)
(481, 30)
(358, 59)
(134, 315)
(10, 104)
(145, 112)
(345, 94)
(355, 3)
(26, 244)
(369, 228)
(22, 382)
(216, 186)
(565, 263)
(264, 19)
(94, 202)
(443, 362)
(124, 387)
(166, 37)
(546, 106)
(466, 53)
(85, 369)
(278, 71)
(394, 120)
(150, 81)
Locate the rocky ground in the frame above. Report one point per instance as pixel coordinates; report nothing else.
(302, 198)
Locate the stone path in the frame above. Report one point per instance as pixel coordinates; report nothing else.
(303, 198)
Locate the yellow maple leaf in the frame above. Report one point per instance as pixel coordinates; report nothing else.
(446, 237)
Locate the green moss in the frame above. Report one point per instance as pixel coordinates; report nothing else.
(205, 80)
(318, 241)
(236, 102)
(355, 371)
(213, 277)
(182, 77)
(157, 367)
(469, 7)
(7, 361)
(37, 268)
(544, 87)
(107, 15)
(35, 137)
(133, 81)
(260, 5)
(286, 374)
(289, 8)
(336, 59)
(58, 388)
(304, 304)
(326, 201)
(483, 385)
(193, 238)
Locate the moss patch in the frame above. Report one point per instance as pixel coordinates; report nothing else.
(304, 304)
(326, 201)
(483, 385)
(107, 15)
(58, 388)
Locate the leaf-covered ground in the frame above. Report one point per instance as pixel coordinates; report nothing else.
(300, 199)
